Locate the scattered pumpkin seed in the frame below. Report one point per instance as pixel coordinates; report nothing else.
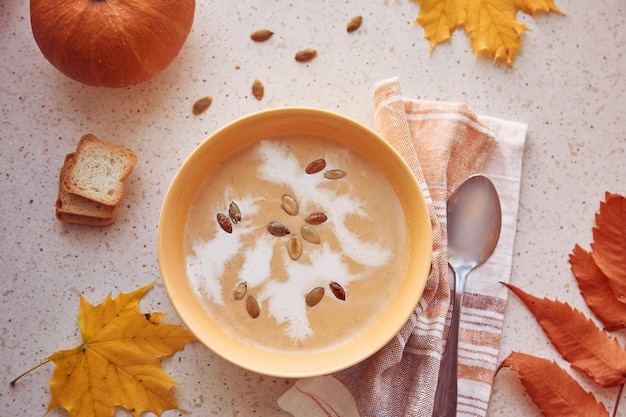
(234, 213)
(306, 55)
(261, 35)
(240, 290)
(258, 89)
(354, 23)
(277, 229)
(338, 290)
(252, 306)
(294, 247)
(316, 218)
(334, 174)
(201, 105)
(310, 235)
(224, 222)
(315, 296)
(315, 166)
(290, 205)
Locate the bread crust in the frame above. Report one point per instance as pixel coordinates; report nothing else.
(84, 220)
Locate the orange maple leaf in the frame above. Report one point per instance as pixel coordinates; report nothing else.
(595, 289)
(491, 24)
(118, 363)
(585, 346)
(609, 245)
(554, 391)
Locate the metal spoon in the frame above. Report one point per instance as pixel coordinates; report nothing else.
(474, 223)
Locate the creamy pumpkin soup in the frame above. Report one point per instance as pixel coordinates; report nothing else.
(296, 242)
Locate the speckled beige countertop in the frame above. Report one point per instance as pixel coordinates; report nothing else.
(568, 85)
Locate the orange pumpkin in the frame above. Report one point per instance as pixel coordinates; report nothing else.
(111, 43)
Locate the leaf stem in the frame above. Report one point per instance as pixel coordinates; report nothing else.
(27, 372)
(619, 396)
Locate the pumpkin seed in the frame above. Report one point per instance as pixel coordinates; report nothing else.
(201, 105)
(334, 174)
(290, 205)
(316, 218)
(315, 166)
(310, 235)
(338, 290)
(261, 35)
(306, 55)
(252, 307)
(354, 23)
(240, 290)
(277, 229)
(224, 222)
(257, 89)
(315, 296)
(234, 213)
(294, 247)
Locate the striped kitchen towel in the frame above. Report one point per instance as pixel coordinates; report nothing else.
(443, 143)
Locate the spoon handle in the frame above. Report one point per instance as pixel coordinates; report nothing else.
(446, 395)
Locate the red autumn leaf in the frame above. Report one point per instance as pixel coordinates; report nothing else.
(554, 391)
(609, 246)
(595, 289)
(585, 346)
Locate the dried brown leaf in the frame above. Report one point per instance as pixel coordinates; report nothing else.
(609, 246)
(554, 391)
(595, 289)
(585, 346)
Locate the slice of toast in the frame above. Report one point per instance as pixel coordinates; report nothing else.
(98, 170)
(85, 220)
(69, 203)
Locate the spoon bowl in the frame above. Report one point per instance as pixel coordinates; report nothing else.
(474, 223)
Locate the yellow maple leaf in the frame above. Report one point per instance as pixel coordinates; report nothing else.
(118, 363)
(491, 24)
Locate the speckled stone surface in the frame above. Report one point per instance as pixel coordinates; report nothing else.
(568, 84)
